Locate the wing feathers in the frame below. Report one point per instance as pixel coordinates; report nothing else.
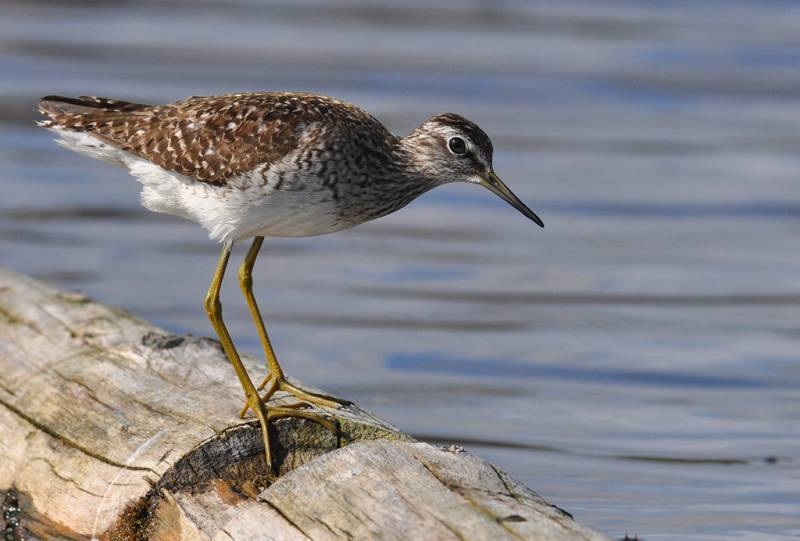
(210, 139)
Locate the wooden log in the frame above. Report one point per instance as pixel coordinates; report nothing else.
(115, 429)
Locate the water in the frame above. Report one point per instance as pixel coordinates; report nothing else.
(636, 362)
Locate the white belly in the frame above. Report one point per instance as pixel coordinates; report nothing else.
(238, 210)
(234, 212)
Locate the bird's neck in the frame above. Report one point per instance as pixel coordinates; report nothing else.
(416, 154)
(411, 174)
(395, 178)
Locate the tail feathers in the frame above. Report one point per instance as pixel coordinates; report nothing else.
(84, 111)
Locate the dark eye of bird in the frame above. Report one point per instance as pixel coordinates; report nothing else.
(457, 145)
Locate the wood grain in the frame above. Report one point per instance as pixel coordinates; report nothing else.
(110, 426)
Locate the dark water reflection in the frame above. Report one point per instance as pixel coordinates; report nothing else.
(635, 362)
(486, 368)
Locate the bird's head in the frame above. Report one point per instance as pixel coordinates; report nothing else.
(450, 148)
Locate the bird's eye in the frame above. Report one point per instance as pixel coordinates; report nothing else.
(457, 145)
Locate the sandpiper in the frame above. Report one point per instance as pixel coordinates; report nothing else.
(262, 164)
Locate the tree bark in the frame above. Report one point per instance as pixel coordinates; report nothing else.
(113, 428)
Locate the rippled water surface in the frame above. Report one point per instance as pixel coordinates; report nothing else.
(636, 362)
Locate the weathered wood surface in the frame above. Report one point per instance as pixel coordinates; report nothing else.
(114, 428)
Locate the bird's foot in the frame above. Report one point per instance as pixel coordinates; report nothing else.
(282, 412)
(306, 398)
(266, 415)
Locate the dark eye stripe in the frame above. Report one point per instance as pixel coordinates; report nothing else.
(457, 145)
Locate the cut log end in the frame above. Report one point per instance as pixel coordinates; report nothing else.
(231, 465)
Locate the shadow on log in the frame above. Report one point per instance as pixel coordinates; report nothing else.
(112, 428)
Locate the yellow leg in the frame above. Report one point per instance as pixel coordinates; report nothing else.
(275, 378)
(214, 310)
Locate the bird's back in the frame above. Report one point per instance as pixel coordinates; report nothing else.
(210, 139)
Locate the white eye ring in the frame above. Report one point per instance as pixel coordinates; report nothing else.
(457, 145)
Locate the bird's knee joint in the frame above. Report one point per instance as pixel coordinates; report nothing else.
(213, 306)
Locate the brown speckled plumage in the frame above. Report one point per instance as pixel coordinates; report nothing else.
(207, 138)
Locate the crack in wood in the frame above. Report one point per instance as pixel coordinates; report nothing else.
(64, 478)
(285, 517)
(8, 390)
(462, 492)
(85, 387)
(68, 442)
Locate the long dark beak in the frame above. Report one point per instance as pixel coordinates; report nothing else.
(497, 187)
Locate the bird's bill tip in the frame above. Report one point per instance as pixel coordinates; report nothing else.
(498, 187)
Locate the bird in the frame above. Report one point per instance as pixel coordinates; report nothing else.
(272, 164)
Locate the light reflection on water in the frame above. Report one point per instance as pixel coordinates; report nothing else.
(635, 362)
